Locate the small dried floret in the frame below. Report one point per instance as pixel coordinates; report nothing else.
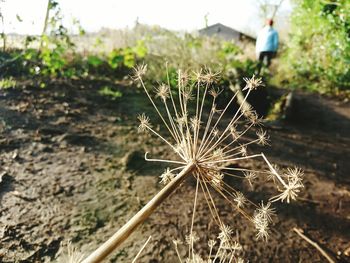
(240, 199)
(261, 225)
(163, 92)
(198, 75)
(254, 118)
(144, 122)
(192, 238)
(167, 176)
(250, 176)
(210, 77)
(262, 137)
(215, 92)
(225, 233)
(216, 133)
(234, 132)
(290, 192)
(266, 211)
(218, 154)
(295, 174)
(236, 246)
(139, 71)
(195, 123)
(183, 77)
(187, 94)
(71, 254)
(243, 150)
(252, 83)
(217, 180)
(263, 232)
(181, 120)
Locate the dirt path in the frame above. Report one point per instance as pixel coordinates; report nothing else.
(72, 169)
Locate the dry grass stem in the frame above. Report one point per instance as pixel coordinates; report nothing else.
(142, 248)
(300, 232)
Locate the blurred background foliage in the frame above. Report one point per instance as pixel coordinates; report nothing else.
(317, 53)
(315, 57)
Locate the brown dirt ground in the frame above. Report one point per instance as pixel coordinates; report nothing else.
(72, 169)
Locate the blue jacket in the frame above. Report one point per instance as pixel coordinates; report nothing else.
(267, 40)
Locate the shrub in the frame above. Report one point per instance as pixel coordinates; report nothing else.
(318, 52)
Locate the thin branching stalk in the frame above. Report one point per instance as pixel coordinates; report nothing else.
(123, 233)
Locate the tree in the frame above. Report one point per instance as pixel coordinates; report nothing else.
(269, 8)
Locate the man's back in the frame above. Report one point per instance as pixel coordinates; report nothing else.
(267, 40)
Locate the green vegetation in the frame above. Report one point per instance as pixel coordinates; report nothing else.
(109, 92)
(317, 57)
(7, 83)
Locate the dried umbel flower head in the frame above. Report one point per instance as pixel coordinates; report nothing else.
(204, 144)
(199, 140)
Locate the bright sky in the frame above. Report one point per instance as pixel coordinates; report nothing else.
(178, 15)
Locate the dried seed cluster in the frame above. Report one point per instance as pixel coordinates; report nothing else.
(197, 136)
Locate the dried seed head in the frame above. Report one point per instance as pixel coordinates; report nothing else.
(195, 123)
(263, 232)
(183, 77)
(261, 225)
(210, 77)
(240, 199)
(182, 120)
(215, 92)
(250, 176)
(144, 123)
(211, 152)
(163, 92)
(262, 137)
(243, 150)
(234, 132)
(225, 233)
(252, 83)
(187, 94)
(217, 180)
(167, 176)
(236, 246)
(295, 174)
(192, 238)
(266, 211)
(290, 191)
(139, 71)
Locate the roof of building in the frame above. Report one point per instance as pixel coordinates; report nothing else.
(220, 29)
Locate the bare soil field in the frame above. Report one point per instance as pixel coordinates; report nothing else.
(72, 168)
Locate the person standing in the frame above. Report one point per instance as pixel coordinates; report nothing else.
(266, 44)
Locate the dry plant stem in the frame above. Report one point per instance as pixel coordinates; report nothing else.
(143, 247)
(314, 244)
(123, 233)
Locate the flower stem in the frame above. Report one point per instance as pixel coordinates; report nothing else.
(123, 233)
